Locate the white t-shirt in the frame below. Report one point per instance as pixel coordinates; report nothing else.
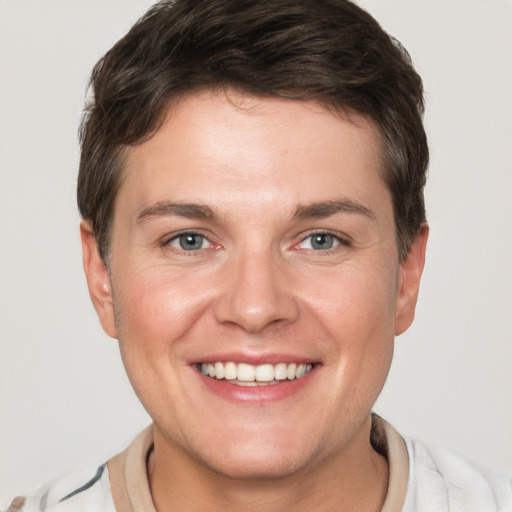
(421, 479)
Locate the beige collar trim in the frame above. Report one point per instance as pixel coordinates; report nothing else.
(398, 461)
(128, 475)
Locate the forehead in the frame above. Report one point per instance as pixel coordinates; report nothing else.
(224, 148)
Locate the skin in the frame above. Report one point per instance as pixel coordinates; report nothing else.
(257, 288)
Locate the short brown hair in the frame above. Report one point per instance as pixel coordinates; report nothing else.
(328, 51)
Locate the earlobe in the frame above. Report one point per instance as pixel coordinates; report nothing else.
(98, 279)
(411, 270)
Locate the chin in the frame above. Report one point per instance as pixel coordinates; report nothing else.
(268, 466)
(260, 457)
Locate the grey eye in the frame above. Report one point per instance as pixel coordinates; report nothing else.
(320, 242)
(189, 242)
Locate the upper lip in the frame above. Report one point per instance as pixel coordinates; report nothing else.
(253, 359)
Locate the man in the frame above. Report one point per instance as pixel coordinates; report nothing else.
(254, 234)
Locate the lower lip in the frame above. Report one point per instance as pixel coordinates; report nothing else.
(257, 394)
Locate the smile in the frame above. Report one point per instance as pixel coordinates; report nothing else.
(244, 374)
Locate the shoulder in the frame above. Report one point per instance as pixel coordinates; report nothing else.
(442, 480)
(86, 490)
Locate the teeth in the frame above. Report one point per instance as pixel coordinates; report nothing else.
(230, 371)
(219, 371)
(280, 371)
(247, 374)
(265, 373)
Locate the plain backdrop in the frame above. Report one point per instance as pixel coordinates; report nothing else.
(64, 399)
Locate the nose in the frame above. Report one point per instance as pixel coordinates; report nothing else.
(256, 292)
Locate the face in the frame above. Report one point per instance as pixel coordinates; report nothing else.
(254, 284)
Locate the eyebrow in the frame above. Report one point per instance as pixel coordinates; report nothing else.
(318, 210)
(325, 209)
(166, 208)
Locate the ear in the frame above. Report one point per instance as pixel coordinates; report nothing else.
(409, 281)
(98, 279)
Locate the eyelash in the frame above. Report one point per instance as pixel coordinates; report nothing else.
(167, 241)
(341, 241)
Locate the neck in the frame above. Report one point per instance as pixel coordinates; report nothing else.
(354, 477)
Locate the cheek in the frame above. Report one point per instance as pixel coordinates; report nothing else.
(356, 309)
(356, 303)
(157, 314)
(155, 301)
